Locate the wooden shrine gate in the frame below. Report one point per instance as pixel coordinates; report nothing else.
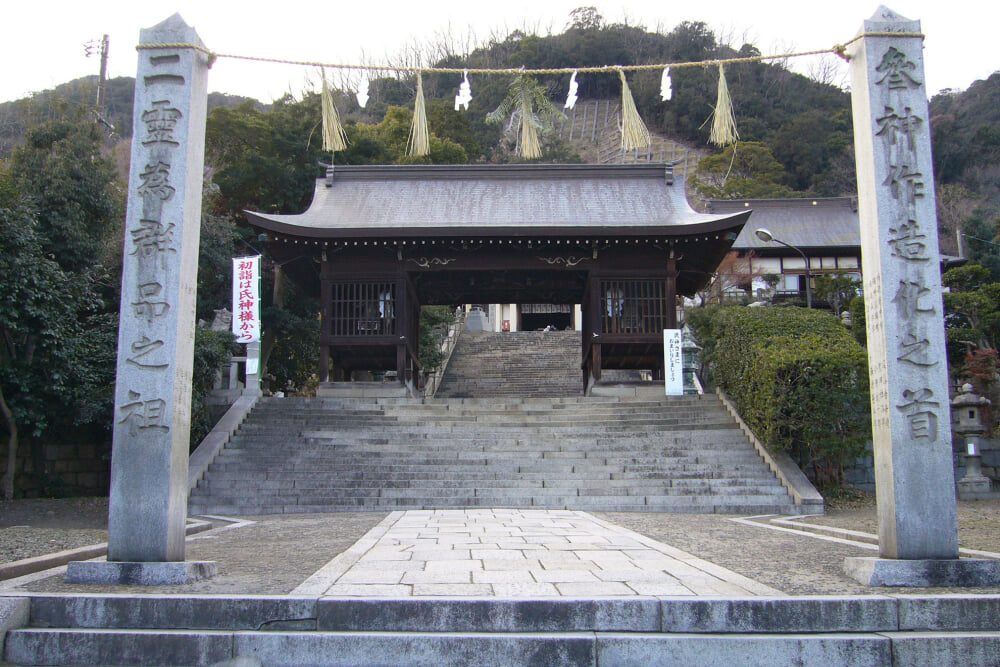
(378, 242)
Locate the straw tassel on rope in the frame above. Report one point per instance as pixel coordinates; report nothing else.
(634, 132)
(724, 119)
(529, 146)
(334, 138)
(419, 143)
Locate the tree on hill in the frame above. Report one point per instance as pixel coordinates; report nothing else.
(981, 238)
(268, 160)
(966, 136)
(60, 205)
(63, 175)
(744, 170)
(972, 327)
(36, 316)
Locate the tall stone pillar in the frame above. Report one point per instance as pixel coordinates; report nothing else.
(911, 421)
(148, 502)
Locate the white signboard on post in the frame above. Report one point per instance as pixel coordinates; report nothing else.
(673, 362)
(246, 299)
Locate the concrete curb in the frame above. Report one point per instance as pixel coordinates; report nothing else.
(217, 438)
(940, 630)
(582, 649)
(637, 614)
(20, 568)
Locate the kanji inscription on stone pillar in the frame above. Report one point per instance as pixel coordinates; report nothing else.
(148, 503)
(911, 418)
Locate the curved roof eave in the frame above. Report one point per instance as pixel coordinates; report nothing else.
(498, 200)
(715, 226)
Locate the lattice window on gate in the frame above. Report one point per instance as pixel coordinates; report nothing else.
(363, 309)
(633, 306)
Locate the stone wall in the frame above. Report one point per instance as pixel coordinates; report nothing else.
(61, 469)
(861, 475)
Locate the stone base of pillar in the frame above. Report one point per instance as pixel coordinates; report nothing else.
(952, 573)
(115, 573)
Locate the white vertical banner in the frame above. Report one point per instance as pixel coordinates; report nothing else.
(673, 362)
(246, 299)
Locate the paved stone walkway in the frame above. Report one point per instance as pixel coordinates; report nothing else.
(517, 553)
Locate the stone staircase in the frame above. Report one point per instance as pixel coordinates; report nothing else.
(682, 454)
(592, 130)
(129, 629)
(514, 364)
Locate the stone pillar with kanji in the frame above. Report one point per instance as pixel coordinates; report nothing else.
(908, 369)
(152, 415)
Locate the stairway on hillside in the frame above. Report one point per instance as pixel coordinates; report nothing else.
(659, 150)
(677, 454)
(523, 363)
(593, 130)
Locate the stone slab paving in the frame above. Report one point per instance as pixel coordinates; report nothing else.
(517, 553)
(273, 555)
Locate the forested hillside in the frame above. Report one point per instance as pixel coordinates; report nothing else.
(966, 131)
(72, 98)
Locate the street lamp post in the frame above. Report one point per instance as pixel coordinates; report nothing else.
(766, 236)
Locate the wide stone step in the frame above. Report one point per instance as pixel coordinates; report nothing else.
(320, 449)
(337, 456)
(486, 408)
(201, 630)
(764, 615)
(221, 485)
(527, 472)
(616, 429)
(417, 489)
(533, 413)
(756, 504)
(523, 438)
(268, 404)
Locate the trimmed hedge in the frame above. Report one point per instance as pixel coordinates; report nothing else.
(797, 377)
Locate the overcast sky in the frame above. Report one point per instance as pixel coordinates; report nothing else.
(41, 43)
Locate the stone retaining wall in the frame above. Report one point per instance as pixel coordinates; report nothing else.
(63, 469)
(861, 475)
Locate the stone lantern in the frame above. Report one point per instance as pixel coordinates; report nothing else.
(690, 352)
(968, 426)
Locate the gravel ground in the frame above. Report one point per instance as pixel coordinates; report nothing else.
(19, 542)
(270, 555)
(73, 513)
(274, 554)
(978, 522)
(36, 527)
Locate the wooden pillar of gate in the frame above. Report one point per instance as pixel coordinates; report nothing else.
(671, 295)
(326, 298)
(591, 339)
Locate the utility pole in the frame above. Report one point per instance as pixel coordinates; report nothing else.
(101, 79)
(99, 103)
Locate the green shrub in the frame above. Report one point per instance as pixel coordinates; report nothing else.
(859, 320)
(212, 353)
(434, 321)
(798, 379)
